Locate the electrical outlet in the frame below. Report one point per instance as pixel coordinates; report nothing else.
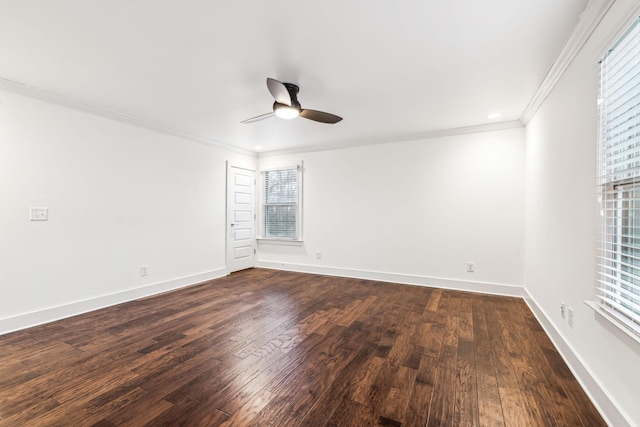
(318, 254)
(144, 270)
(570, 316)
(38, 214)
(470, 267)
(562, 309)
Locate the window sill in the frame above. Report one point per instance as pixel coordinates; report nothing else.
(614, 321)
(284, 242)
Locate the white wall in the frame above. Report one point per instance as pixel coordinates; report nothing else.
(118, 196)
(413, 212)
(561, 221)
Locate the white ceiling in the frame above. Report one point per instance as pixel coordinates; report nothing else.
(198, 67)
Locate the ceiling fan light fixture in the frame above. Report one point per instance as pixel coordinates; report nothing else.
(288, 107)
(285, 111)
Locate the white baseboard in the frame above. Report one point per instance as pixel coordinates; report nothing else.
(407, 279)
(26, 320)
(598, 395)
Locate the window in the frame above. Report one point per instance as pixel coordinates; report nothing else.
(281, 204)
(619, 180)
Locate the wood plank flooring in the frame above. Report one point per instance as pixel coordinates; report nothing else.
(274, 348)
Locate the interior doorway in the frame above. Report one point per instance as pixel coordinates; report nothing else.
(241, 218)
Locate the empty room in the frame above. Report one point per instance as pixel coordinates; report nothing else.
(320, 213)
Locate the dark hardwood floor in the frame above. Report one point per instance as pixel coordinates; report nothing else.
(263, 347)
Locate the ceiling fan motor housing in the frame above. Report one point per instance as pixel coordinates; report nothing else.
(292, 89)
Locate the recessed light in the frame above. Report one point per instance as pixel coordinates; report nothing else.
(257, 147)
(494, 115)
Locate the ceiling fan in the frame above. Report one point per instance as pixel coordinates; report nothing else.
(287, 106)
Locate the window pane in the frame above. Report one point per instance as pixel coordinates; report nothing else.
(619, 178)
(280, 221)
(281, 186)
(630, 250)
(280, 204)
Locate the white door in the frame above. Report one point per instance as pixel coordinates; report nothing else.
(241, 184)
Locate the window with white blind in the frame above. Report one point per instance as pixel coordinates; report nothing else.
(619, 181)
(281, 203)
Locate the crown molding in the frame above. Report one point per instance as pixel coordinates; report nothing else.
(589, 20)
(64, 101)
(513, 124)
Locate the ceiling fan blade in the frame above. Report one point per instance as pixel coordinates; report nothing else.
(258, 118)
(320, 116)
(279, 92)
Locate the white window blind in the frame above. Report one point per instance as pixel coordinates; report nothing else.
(619, 180)
(281, 207)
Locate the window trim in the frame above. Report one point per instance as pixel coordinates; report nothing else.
(616, 321)
(261, 224)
